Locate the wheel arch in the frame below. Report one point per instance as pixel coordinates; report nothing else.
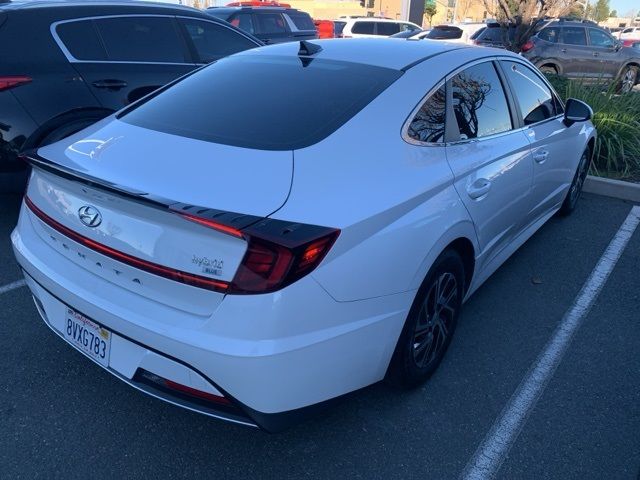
(461, 237)
(631, 63)
(550, 63)
(60, 121)
(591, 145)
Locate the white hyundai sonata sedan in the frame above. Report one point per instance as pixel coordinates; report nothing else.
(296, 222)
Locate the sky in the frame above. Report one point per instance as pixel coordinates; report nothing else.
(623, 6)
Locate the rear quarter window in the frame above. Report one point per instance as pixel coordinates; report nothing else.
(549, 34)
(82, 41)
(296, 104)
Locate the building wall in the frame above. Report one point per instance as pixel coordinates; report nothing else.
(613, 22)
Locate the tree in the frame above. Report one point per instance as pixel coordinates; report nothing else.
(430, 10)
(601, 11)
(523, 16)
(613, 13)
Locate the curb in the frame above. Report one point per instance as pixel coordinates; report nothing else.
(612, 188)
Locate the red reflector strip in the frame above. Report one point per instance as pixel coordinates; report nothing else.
(196, 393)
(161, 271)
(7, 82)
(213, 224)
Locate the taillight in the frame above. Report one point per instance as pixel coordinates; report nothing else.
(268, 266)
(527, 46)
(12, 81)
(278, 252)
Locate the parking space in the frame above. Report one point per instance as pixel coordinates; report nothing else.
(61, 413)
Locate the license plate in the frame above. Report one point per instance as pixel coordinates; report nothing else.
(89, 337)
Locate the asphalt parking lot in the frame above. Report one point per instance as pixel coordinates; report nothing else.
(64, 417)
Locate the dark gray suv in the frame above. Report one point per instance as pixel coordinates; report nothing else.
(585, 51)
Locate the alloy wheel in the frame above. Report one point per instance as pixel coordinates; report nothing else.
(435, 319)
(628, 80)
(578, 181)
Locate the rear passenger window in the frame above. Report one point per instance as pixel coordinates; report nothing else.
(574, 36)
(550, 34)
(142, 39)
(428, 124)
(269, 23)
(533, 96)
(387, 28)
(82, 40)
(213, 41)
(365, 28)
(479, 102)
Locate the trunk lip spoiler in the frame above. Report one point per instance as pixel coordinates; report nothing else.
(234, 220)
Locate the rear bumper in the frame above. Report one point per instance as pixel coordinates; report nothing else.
(276, 357)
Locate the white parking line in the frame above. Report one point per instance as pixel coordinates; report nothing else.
(489, 456)
(12, 286)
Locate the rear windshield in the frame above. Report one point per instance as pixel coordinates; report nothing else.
(301, 20)
(497, 34)
(264, 102)
(444, 33)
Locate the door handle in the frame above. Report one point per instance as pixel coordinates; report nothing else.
(563, 50)
(479, 188)
(595, 54)
(110, 84)
(540, 157)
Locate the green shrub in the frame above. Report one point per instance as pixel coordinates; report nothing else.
(617, 119)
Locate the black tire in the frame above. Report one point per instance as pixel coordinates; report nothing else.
(627, 80)
(549, 69)
(421, 345)
(573, 195)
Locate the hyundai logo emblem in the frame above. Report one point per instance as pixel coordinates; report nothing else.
(90, 216)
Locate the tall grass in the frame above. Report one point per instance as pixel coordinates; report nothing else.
(617, 119)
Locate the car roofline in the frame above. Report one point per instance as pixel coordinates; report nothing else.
(36, 4)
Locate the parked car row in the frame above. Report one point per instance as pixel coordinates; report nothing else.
(576, 49)
(67, 64)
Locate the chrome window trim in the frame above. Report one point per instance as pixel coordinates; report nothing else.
(449, 76)
(72, 59)
(405, 128)
(538, 74)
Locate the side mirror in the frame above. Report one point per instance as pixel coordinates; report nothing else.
(576, 111)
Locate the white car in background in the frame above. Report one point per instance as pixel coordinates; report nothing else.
(629, 33)
(362, 27)
(253, 253)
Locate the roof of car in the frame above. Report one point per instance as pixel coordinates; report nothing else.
(394, 53)
(253, 8)
(33, 4)
(373, 19)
